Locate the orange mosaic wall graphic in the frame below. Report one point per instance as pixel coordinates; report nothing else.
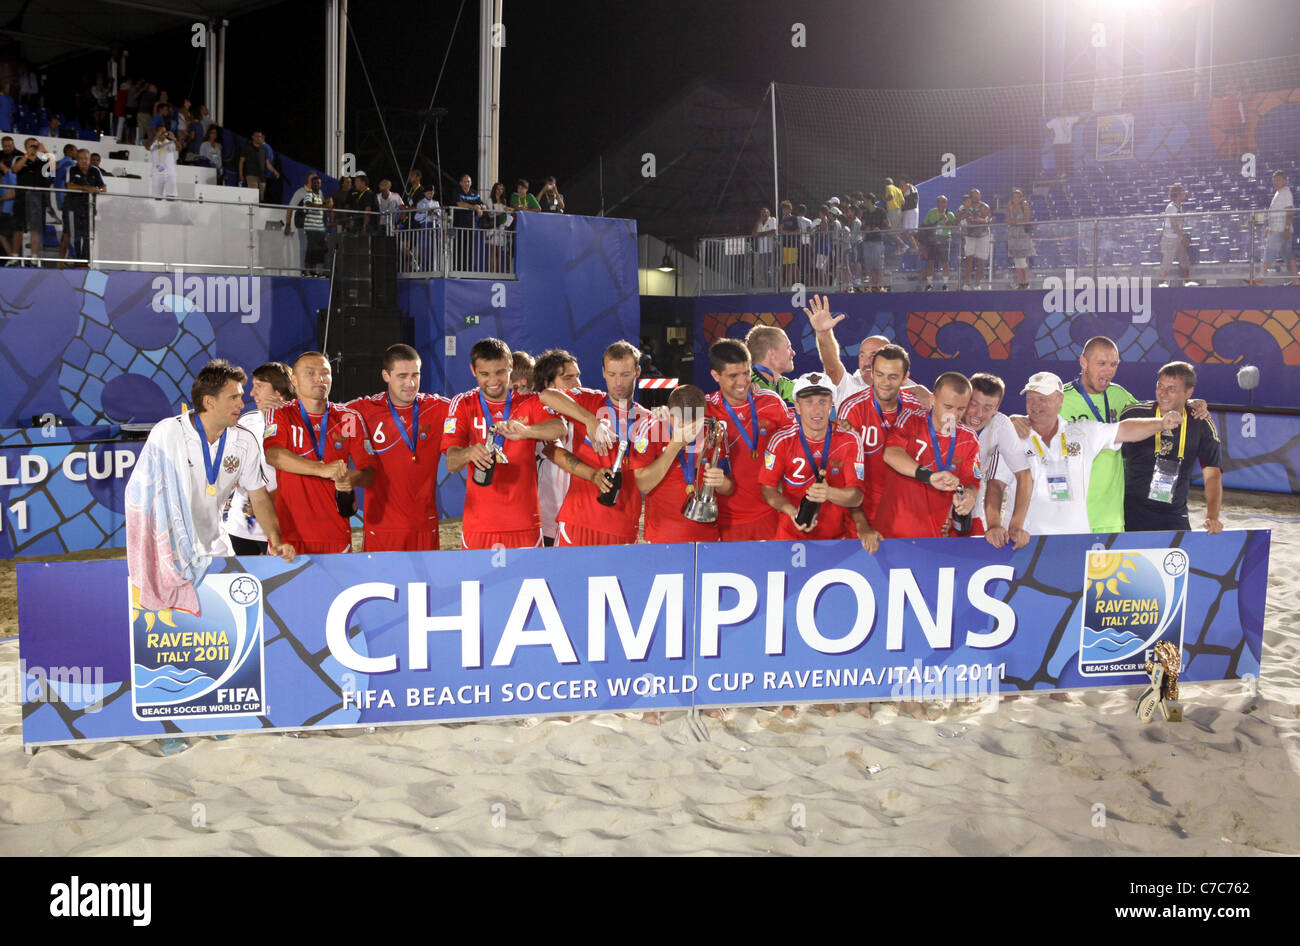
(996, 328)
(1194, 330)
(717, 323)
(1230, 135)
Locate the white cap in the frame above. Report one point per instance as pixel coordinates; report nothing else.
(360, 174)
(834, 202)
(812, 383)
(1044, 383)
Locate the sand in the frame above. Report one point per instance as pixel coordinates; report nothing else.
(1008, 777)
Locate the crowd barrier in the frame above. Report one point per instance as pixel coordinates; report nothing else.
(366, 640)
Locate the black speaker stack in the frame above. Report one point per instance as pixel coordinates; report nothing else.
(362, 319)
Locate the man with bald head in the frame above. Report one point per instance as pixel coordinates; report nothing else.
(847, 383)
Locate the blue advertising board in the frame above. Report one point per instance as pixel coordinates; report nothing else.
(394, 638)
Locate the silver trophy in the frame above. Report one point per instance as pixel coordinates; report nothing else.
(700, 504)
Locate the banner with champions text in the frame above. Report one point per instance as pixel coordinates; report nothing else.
(399, 638)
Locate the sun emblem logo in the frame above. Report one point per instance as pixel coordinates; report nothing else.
(1106, 570)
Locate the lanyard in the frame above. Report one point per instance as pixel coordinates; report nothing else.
(885, 422)
(210, 465)
(1105, 400)
(826, 447)
(1182, 436)
(1065, 451)
(768, 375)
(934, 444)
(316, 445)
(401, 428)
(499, 440)
(613, 412)
(688, 465)
(751, 441)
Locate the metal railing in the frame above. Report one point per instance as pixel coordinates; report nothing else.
(1213, 248)
(140, 232)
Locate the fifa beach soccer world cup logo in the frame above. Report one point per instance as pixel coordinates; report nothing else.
(1131, 600)
(188, 666)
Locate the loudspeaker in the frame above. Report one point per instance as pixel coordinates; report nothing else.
(357, 338)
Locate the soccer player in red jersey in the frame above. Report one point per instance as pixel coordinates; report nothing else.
(603, 425)
(813, 458)
(666, 455)
(932, 455)
(405, 431)
(309, 441)
(753, 418)
(492, 428)
(874, 412)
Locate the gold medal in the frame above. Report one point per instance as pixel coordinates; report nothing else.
(690, 489)
(212, 489)
(753, 454)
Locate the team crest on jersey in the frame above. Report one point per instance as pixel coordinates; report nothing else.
(642, 444)
(860, 470)
(449, 425)
(269, 431)
(769, 461)
(977, 469)
(1073, 448)
(230, 464)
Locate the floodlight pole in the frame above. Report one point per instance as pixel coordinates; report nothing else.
(336, 71)
(492, 38)
(776, 181)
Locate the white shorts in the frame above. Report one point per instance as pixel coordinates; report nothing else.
(979, 247)
(895, 218)
(1173, 252)
(163, 185)
(911, 219)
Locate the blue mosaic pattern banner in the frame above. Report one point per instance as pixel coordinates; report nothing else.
(363, 640)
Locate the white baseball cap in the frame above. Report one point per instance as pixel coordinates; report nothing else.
(812, 383)
(1044, 383)
(834, 202)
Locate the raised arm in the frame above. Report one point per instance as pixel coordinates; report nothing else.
(828, 347)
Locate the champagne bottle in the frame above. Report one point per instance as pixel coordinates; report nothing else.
(808, 508)
(346, 503)
(961, 525)
(484, 477)
(610, 498)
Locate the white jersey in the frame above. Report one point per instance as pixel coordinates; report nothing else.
(552, 483)
(1061, 467)
(162, 159)
(849, 385)
(237, 515)
(1001, 457)
(1278, 218)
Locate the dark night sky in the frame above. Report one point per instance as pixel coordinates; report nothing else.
(577, 76)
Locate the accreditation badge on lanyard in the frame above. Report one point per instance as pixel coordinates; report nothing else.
(1057, 471)
(1164, 478)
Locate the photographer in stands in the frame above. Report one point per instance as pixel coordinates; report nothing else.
(34, 170)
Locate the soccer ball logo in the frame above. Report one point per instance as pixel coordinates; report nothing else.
(1175, 562)
(243, 590)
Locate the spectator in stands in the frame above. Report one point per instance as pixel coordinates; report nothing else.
(1062, 129)
(1280, 214)
(123, 105)
(340, 201)
(469, 205)
(521, 199)
(204, 119)
(210, 153)
(103, 105)
(309, 219)
(162, 163)
(144, 109)
(29, 87)
(6, 105)
(1019, 245)
(788, 230)
(911, 210)
(496, 219)
(34, 169)
(893, 204)
(390, 205)
(165, 118)
(255, 163)
(83, 180)
(551, 200)
(95, 160)
(979, 242)
(51, 129)
(7, 150)
(1173, 238)
(764, 258)
(853, 258)
(367, 203)
(934, 240)
(805, 242)
(822, 245)
(66, 163)
(428, 216)
(875, 222)
(8, 226)
(414, 188)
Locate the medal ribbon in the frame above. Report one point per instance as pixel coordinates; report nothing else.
(826, 447)
(401, 428)
(934, 445)
(1105, 400)
(316, 445)
(498, 441)
(751, 441)
(210, 466)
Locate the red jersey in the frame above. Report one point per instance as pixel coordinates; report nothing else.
(746, 503)
(509, 504)
(305, 505)
(404, 497)
(786, 466)
(664, 521)
(916, 510)
(580, 507)
(874, 426)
